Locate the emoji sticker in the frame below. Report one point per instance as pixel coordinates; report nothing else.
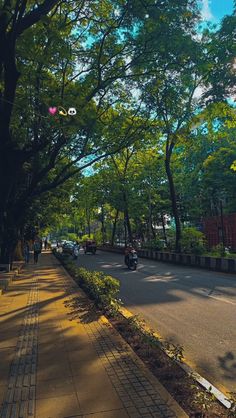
(62, 111)
(72, 111)
(52, 110)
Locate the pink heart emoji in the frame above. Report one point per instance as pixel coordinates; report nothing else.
(52, 110)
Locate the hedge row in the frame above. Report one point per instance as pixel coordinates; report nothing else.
(101, 288)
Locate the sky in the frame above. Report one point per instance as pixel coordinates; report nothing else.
(215, 10)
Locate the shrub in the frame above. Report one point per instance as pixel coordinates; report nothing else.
(232, 400)
(72, 236)
(87, 237)
(98, 237)
(203, 399)
(193, 241)
(155, 244)
(101, 288)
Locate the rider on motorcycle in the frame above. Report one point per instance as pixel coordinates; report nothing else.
(128, 250)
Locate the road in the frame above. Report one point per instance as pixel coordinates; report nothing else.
(191, 307)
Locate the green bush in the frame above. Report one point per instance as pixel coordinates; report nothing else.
(192, 241)
(87, 237)
(98, 237)
(103, 289)
(155, 244)
(72, 236)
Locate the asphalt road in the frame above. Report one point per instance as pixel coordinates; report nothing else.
(192, 307)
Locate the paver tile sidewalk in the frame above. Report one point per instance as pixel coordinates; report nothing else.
(59, 359)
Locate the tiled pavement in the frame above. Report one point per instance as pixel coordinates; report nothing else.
(59, 359)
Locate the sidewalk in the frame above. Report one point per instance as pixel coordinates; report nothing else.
(59, 359)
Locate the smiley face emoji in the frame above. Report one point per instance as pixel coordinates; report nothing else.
(72, 111)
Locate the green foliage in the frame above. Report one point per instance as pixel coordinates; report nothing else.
(233, 166)
(95, 64)
(220, 251)
(192, 241)
(175, 351)
(203, 398)
(72, 236)
(87, 237)
(137, 323)
(98, 237)
(148, 337)
(100, 287)
(103, 289)
(155, 244)
(232, 410)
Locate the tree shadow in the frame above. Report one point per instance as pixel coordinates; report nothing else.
(82, 309)
(228, 364)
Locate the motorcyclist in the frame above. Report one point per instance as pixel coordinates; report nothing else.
(128, 249)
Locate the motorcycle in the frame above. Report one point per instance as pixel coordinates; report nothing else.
(131, 260)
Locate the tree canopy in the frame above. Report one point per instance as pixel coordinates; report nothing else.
(155, 122)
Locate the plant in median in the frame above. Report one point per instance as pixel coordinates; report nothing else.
(103, 289)
(150, 341)
(203, 398)
(136, 323)
(232, 410)
(175, 351)
(150, 338)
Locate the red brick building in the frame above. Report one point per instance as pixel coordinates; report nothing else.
(212, 228)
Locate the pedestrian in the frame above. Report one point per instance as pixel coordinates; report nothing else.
(45, 243)
(26, 252)
(37, 250)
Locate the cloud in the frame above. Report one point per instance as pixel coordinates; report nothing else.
(206, 10)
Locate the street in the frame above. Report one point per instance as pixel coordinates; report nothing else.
(192, 307)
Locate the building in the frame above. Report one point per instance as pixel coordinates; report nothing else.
(212, 228)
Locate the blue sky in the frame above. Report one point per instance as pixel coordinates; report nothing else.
(214, 10)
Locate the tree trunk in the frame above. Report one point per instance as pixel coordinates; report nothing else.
(151, 230)
(149, 218)
(127, 218)
(8, 241)
(114, 227)
(18, 255)
(173, 204)
(128, 226)
(125, 229)
(164, 228)
(103, 225)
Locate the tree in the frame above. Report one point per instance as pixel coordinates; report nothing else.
(31, 144)
(176, 72)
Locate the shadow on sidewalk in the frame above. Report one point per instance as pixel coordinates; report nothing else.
(82, 309)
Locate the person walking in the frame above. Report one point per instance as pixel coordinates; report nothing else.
(26, 252)
(37, 250)
(45, 243)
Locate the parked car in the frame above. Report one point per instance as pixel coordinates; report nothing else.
(68, 247)
(53, 245)
(90, 247)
